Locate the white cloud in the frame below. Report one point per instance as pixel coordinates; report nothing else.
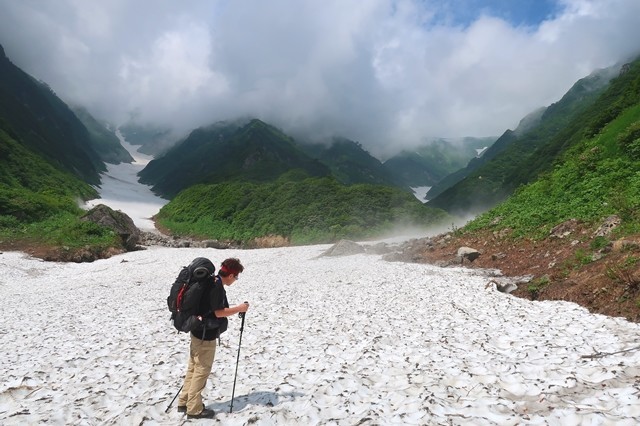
(382, 72)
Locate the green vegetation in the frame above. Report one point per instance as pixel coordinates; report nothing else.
(255, 152)
(596, 178)
(625, 274)
(310, 210)
(39, 203)
(432, 163)
(350, 163)
(59, 229)
(519, 157)
(537, 285)
(597, 175)
(36, 118)
(105, 142)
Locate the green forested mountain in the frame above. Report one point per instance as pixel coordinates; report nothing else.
(47, 163)
(39, 201)
(246, 181)
(303, 210)
(103, 141)
(517, 157)
(428, 164)
(350, 163)
(31, 186)
(595, 170)
(41, 121)
(254, 152)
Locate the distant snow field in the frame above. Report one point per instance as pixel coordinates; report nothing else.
(349, 340)
(120, 190)
(420, 192)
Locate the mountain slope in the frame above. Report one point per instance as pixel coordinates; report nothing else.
(254, 152)
(350, 163)
(299, 211)
(32, 188)
(41, 121)
(575, 230)
(511, 161)
(596, 171)
(103, 141)
(428, 164)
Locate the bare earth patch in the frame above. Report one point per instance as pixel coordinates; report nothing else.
(605, 281)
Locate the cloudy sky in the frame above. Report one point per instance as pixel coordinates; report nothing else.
(386, 73)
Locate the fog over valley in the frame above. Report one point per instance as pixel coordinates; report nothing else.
(385, 73)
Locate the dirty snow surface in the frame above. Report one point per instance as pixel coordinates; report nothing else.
(351, 340)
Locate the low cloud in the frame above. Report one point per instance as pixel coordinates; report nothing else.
(385, 73)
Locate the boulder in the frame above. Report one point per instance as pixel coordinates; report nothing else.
(467, 253)
(118, 221)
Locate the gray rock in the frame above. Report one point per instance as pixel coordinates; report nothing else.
(118, 221)
(564, 229)
(610, 223)
(467, 253)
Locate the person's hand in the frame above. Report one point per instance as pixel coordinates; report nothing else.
(243, 307)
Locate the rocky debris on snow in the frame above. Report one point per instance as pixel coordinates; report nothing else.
(157, 239)
(379, 248)
(344, 248)
(508, 284)
(410, 251)
(118, 221)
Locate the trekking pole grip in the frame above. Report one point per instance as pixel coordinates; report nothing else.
(241, 314)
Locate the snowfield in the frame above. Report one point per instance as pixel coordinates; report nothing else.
(351, 340)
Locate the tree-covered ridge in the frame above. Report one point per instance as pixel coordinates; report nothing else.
(254, 152)
(597, 173)
(430, 163)
(47, 166)
(39, 202)
(350, 163)
(41, 121)
(31, 187)
(517, 157)
(311, 210)
(103, 141)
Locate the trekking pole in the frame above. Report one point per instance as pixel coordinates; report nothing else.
(174, 398)
(237, 361)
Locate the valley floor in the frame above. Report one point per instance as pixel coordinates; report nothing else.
(328, 340)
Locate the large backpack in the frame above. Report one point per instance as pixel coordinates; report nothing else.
(186, 292)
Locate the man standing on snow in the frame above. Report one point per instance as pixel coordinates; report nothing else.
(212, 313)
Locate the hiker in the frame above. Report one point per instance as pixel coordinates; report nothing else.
(212, 313)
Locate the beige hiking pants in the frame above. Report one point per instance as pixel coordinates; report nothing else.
(201, 355)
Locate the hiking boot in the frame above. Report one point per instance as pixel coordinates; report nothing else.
(204, 414)
(182, 408)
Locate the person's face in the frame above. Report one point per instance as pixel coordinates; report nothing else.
(230, 279)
